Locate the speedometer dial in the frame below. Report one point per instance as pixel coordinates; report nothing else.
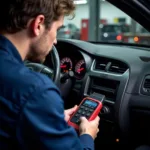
(80, 69)
(66, 64)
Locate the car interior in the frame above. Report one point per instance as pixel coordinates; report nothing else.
(119, 71)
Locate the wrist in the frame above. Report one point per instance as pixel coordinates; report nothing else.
(88, 133)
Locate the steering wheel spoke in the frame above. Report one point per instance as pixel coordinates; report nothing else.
(49, 72)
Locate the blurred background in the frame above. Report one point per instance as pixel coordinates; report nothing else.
(100, 21)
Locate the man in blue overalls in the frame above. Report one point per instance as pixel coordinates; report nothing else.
(31, 110)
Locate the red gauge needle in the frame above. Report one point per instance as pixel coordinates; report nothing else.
(79, 70)
(63, 66)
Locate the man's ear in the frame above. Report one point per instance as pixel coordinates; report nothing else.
(37, 25)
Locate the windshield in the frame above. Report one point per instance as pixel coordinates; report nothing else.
(115, 28)
(114, 25)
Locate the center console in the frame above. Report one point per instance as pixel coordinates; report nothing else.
(112, 85)
(109, 83)
(107, 87)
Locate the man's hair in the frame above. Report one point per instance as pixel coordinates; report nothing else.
(17, 13)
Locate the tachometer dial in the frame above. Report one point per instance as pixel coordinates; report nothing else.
(66, 64)
(80, 69)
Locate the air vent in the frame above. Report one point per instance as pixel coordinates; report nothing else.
(101, 63)
(145, 88)
(146, 85)
(117, 67)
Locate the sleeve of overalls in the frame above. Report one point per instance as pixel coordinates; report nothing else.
(41, 124)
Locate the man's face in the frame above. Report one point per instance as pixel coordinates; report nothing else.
(42, 44)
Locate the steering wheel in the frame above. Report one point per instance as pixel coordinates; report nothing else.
(54, 73)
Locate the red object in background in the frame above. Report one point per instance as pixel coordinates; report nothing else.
(84, 29)
(103, 21)
(119, 37)
(85, 26)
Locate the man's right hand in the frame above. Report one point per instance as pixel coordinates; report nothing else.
(89, 127)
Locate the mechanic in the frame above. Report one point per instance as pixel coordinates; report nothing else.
(32, 115)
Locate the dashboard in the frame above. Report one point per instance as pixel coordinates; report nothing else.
(122, 74)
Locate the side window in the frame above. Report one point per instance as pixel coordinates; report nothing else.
(114, 24)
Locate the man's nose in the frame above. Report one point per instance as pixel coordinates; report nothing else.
(55, 41)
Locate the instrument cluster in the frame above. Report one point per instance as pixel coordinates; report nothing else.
(77, 65)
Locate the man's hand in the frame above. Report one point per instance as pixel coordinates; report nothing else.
(69, 112)
(89, 127)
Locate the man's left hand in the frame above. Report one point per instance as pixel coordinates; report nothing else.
(69, 112)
